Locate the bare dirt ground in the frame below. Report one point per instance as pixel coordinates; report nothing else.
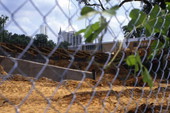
(44, 95)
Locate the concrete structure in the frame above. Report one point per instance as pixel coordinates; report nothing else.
(142, 42)
(104, 47)
(34, 69)
(131, 44)
(70, 37)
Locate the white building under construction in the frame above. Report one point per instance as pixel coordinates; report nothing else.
(43, 29)
(71, 38)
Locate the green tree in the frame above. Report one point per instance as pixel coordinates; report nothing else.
(18, 39)
(64, 45)
(3, 32)
(41, 40)
(3, 20)
(51, 44)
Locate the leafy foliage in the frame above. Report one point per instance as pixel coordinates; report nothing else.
(51, 44)
(155, 24)
(3, 20)
(141, 23)
(92, 31)
(157, 21)
(3, 32)
(18, 39)
(134, 60)
(40, 40)
(64, 45)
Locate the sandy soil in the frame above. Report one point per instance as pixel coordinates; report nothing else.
(29, 96)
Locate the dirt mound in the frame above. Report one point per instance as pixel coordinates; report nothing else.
(109, 79)
(106, 80)
(2, 71)
(89, 83)
(99, 99)
(72, 84)
(18, 77)
(86, 96)
(135, 81)
(151, 108)
(80, 65)
(45, 79)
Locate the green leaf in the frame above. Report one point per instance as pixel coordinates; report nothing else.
(138, 59)
(153, 53)
(92, 31)
(167, 42)
(156, 46)
(138, 18)
(91, 28)
(95, 34)
(92, 36)
(159, 24)
(130, 25)
(146, 77)
(155, 12)
(80, 31)
(148, 29)
(168, 5)
(87, 10)
(165, 28)
(134, 13)
(111, 11)
(131, 60)
(87, 15)
(136, 68)
(102, 21)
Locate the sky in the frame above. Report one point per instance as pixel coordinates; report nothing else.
(26, 17)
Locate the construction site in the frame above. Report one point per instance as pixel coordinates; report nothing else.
(91, 56)
(23, 90)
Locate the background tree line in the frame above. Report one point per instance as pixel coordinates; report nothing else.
(40, 40)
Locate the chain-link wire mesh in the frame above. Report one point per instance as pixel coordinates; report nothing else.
(45, 67)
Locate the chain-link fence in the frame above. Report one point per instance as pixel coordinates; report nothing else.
(84, 56)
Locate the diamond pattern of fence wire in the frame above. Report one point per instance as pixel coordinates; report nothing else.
(55, 70)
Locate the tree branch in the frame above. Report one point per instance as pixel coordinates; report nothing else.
(101, 5)
(145, 1)
(86, 2)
